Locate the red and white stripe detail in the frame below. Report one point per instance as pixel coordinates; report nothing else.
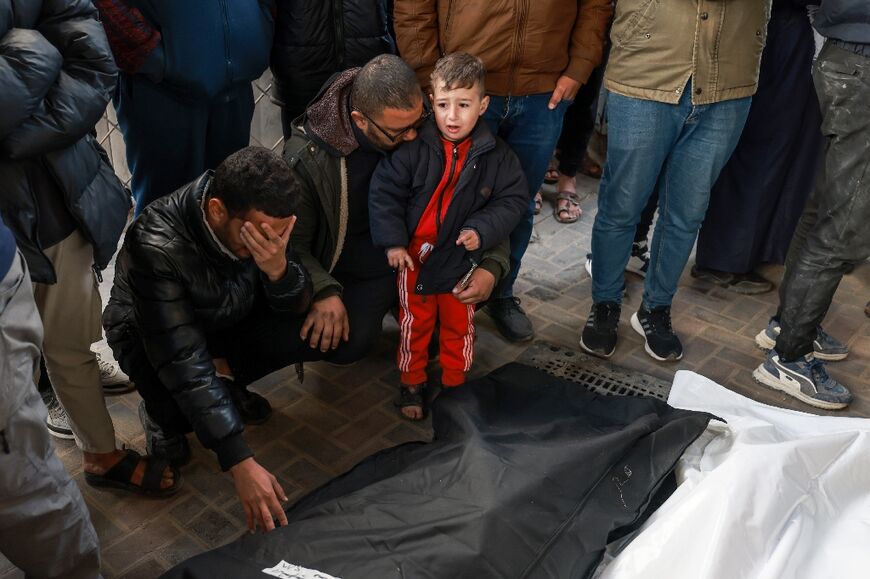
(468, 345)
(406, 319)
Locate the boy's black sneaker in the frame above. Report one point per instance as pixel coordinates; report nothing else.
(655, 326)
(600, 333)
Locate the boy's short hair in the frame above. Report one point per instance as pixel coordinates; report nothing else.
(459, 70)
(255, 178)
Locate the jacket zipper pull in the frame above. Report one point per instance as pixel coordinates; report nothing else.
(97, 273)
(5, 442)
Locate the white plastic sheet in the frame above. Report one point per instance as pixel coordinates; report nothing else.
(773, 494)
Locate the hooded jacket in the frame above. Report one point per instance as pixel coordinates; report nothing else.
(174, 284)
(316, 154)
(490, 197)
(526, 45)
(57, 75)
(198, 48)
(315, 39)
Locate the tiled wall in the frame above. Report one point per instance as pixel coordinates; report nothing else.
(265, 127)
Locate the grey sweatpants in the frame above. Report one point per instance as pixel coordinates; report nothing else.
(45, 527)
(833, 232)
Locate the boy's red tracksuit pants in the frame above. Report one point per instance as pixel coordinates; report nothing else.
(419, 313)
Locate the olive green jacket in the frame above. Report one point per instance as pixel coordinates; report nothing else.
(658, 45)
(321, 225)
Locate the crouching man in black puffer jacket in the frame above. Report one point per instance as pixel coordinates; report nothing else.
(206, 281)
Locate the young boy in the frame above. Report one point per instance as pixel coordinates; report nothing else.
(436, 205)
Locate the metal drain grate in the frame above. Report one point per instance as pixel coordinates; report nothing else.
(598, 376)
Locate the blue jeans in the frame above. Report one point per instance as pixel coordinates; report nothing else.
(679, 149)
(532, 131)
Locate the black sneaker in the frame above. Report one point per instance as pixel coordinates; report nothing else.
(599, 335)
(174, 448)
(655, 326)
(510, 319)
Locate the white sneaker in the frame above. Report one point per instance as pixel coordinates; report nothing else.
(111, 376)
(58, 422)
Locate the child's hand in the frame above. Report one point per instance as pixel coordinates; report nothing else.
(469, 238)
(399, 258)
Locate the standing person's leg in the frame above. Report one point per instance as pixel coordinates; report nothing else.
(705, 143)
(577, 128)
(456, 339)
(708, 136)
(45, 527)
(417, 317)
(229, 124)
(839, 238)
(164, 136)
(640, 136)
(71, 310)
(531, 129)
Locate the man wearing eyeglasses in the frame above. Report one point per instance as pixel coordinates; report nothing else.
(359, 116)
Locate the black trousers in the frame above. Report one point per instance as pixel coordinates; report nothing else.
(267, 341)
(833, 233)
(579, 123)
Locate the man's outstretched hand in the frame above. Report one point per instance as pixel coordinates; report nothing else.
(260, 495)
(268, 247)
(478, 289)
(326, 324)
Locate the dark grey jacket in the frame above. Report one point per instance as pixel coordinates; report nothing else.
(846, 20)
(57, 75)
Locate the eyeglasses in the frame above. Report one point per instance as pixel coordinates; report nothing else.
(395, 138)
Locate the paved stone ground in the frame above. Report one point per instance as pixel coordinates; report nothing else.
(338, 416)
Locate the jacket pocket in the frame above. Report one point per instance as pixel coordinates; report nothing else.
(634, 20)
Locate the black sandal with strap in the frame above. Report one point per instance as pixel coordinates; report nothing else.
(409, 399)
(121, 475)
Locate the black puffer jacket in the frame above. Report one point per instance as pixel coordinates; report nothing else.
(174, 284)
(490, 197)
(56, 77)
(316, 38)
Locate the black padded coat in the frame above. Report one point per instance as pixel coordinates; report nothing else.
(316, 38)
(174, 284)
(56, 77)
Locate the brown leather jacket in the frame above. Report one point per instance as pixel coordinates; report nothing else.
(526, 45)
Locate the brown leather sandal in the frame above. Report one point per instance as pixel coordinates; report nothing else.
(573, 200)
